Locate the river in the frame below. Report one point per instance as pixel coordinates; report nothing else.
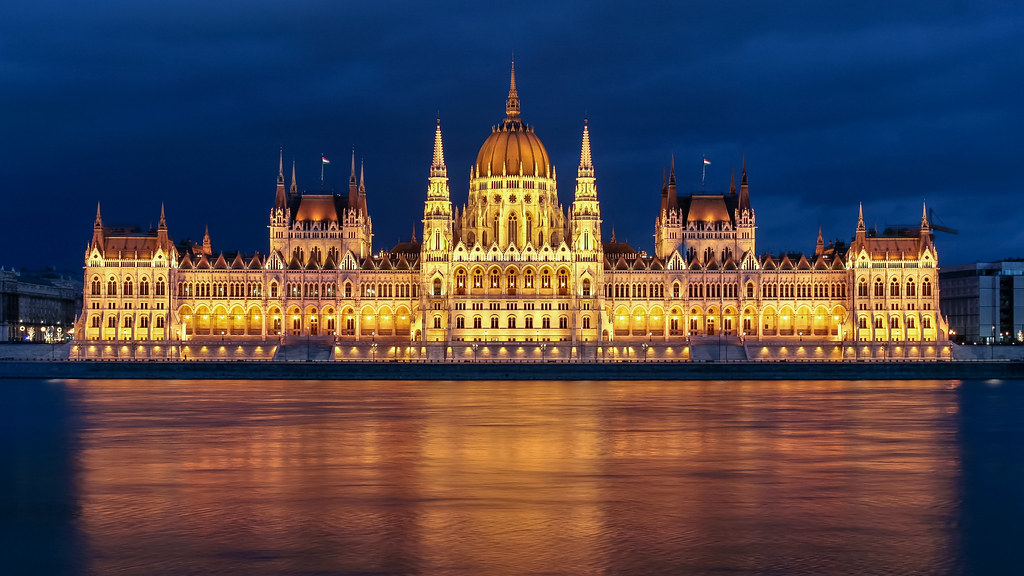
(313, 477)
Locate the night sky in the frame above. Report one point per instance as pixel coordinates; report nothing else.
(188, 103)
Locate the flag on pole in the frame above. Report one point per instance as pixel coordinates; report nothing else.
(326, 161)
(707, 162)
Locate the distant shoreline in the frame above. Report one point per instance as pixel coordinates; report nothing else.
(243, 370)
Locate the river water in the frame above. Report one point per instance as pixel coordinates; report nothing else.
(314, 478)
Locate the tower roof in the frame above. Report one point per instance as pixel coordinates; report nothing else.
(513, 148)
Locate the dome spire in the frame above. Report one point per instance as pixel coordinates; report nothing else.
(512, 104)
(586, 162)
(295, 185)
(438, 169)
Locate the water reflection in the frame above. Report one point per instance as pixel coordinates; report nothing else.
(514, 478)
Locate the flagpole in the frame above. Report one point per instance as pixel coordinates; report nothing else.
(322, 156)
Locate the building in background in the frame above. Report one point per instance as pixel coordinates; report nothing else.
(38, 305)
(984, 302)
(514, 274)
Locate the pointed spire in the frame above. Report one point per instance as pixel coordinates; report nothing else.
(207, 246)
(673, 198)
(613, 235)
(413, 232)
(924, 217)
(362, 181)
(161, 232)
(99, 220)
(586, 168)
(861, 229)
(744, 187)
(438, 168)
(819, 246)
(280, 201)
(295, 185)
(732, 183)
(512, 104)
(352, 178)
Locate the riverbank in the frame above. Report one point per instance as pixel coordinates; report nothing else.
(513, 371)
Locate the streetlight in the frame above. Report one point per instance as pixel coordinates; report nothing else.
(645, 346)
(543, 351)
(475, 348)
(373, 352)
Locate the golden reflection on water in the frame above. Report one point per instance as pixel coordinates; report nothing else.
(179, 477)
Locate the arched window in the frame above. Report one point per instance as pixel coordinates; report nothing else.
(563, 282)
(911, 289)
(586, 322)
(159, 321)
(273, 289)
(127, 321)
(460, 282)
(528, 278)
(894, 288)
(460, 322)
(128, 288)
(926, 322)
(511, 322)
(545, 279)
(926, 287)
(750, 289)
(95, 286)
(894, 322)
(545, 322)
(348, 289)
(494, 322)
(529, 322)
(878, 322)
(529, 228)
(95, 322)
(563, 322)
(511, 281)
(862, 323)
(112, 287)
(675, 290)
(879, 288)
(437, 286)
(478, 279)
(161, 287)
(586, 286)
(495, 279)
(144, 322)
(910, 323)
(437, 321)
(477, 322)
(513, 229)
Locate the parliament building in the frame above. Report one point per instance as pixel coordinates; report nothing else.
(513, 275)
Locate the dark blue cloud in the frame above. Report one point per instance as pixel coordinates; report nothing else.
(187, 103)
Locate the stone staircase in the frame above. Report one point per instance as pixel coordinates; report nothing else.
(302, 352)
(715, 349)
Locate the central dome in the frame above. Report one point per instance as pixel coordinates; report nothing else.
(507, 147)
(513, 145)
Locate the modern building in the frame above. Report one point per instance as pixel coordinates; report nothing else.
(984, 302)
(38, 305)
(513, 273)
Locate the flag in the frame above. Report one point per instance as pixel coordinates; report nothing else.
(326, 161)
(707, 162)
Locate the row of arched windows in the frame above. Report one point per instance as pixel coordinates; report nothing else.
(894, 323)
(220, 289)
(626, 290)
(910, 288)
(127, 287)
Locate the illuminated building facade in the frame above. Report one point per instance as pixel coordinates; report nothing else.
(512, 267)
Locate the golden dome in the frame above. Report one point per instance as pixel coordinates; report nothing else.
(513, 144)
(507, 146)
